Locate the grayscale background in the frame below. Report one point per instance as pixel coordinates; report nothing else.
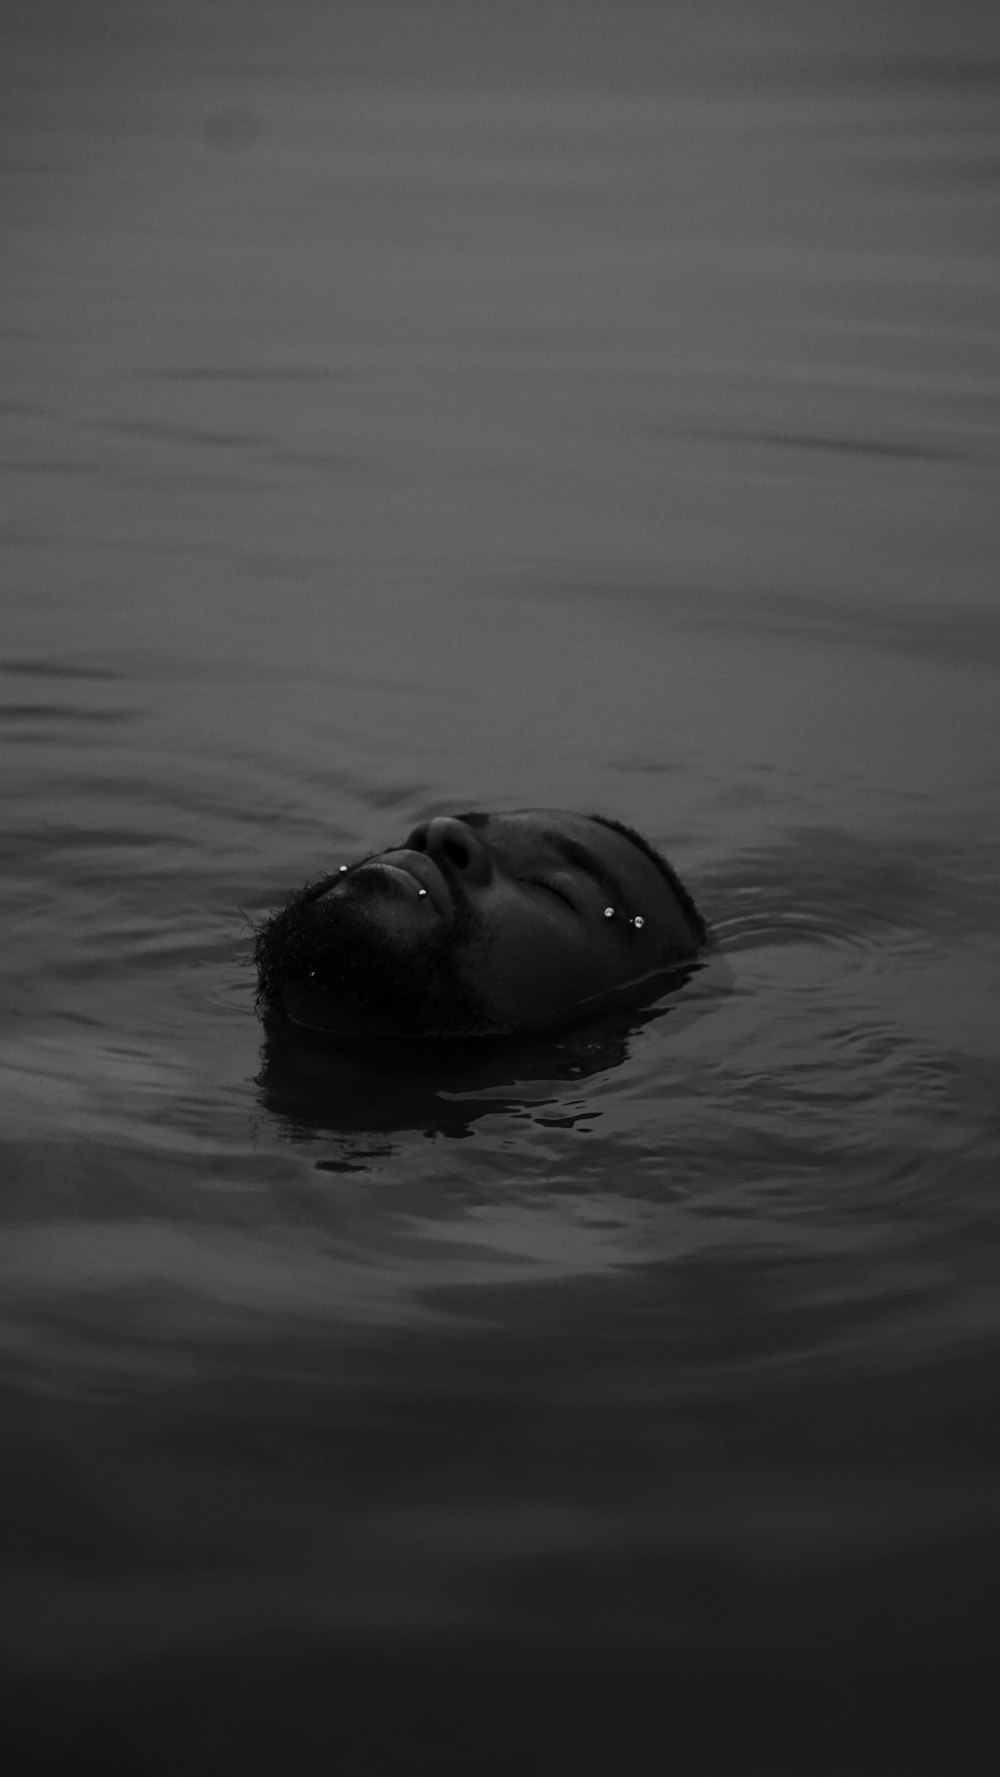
(411, 406)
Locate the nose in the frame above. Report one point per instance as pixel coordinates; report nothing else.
(450, 842)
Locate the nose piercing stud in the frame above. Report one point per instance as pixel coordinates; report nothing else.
(421, 891)
(343, 867)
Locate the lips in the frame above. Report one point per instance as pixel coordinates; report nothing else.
(419, 872)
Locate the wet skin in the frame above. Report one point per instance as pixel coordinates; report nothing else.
(479, 924)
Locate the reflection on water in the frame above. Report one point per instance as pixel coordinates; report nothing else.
(441, 1086)
(408, 408)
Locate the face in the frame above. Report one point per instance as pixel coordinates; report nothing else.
(477, 925)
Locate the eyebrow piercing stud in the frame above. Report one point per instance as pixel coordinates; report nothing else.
(638, 922)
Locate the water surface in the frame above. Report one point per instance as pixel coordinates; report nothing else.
(417, 407)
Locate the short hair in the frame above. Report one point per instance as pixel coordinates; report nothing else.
(667, 871)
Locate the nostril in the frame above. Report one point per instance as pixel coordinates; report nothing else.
(449, 843)
(456, 853)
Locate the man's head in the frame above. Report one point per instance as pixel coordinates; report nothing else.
(479, 924)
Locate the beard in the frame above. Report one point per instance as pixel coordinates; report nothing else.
(329, 941)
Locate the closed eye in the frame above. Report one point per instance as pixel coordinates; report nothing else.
(554, 888)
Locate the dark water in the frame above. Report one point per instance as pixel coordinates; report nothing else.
(406, 407)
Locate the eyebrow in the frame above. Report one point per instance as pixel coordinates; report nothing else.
(572, 851)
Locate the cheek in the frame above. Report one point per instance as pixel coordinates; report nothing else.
(533, 967)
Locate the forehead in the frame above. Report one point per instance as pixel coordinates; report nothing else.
(533, 826)
(575, 838)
